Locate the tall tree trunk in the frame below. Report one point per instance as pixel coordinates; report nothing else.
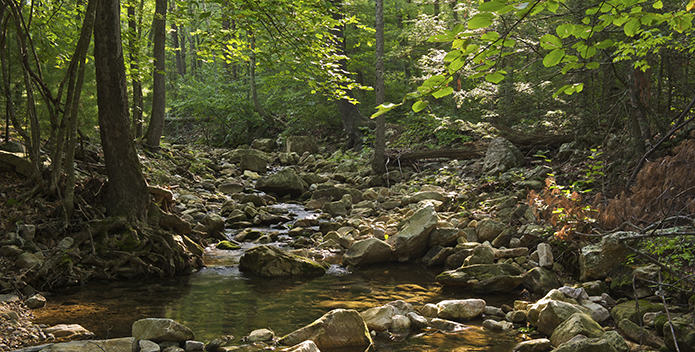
(156, 127)
(378, 166)
(72, 104)
(252, 82)
(138, 103)
(127, 194)
(180, 66)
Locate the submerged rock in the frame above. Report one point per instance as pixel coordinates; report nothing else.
(483, 278)
(271, 261)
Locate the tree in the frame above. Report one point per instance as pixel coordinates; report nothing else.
(156, 126)
(378, 166)
(127, 194)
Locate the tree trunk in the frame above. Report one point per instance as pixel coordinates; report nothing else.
(127, 195)
(156, 127)
(378, 166)
(138, 103)
(180, 66)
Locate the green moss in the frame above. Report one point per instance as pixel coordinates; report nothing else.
(227, 245)
(128, 241)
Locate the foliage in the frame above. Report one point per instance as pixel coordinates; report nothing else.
(432, 131)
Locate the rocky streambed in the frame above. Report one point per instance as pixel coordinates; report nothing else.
(480, 242)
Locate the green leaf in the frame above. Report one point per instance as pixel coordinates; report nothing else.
(592, 65)
(443, 92)
(384, 108)
(419, 105)
(452, 55)
(564, 30)
(631, 27)
(550, 41)
(690, 6)
(553, 58)
(490, 36)
(480, 20)
(492, 6)
(434, 81)
(495, 77)
(456, 64)
(604, 44)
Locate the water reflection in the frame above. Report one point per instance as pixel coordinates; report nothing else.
(221, 300)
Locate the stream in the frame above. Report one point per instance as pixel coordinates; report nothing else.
(220, 300)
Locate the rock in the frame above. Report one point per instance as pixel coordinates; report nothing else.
(536, 345)
(596, 261)
(685, 334)
(483, 278)
(501, 156)
(367, 252)
(585, 344)
(576, 324)
(445, 237)
(577, 293)
(36, 301)
(191, 345)
(335, 209)
(437, 255)
(213, 223)
(284, 182)
(337, 328)
(488, 230)
(535, 309)
(628, 310)
(617, 341)
(554, 313)
(497, 325)
(411, 242)
(545, 256)
(160, 330)
(539, 280)
(227, 245)
(68, 332)
(447, 325)
(417, 321)
(148, 346)
(598, 312)
(633, 332)
(482, 254)
(423, 195)
(124, 344)
(503, 239)
(429, 310)
(378, 318)
(253, 163)
(516, 316)
(17, 162)
(400, 323)
(260, 335)
(301, 144)
(230, 187)
(271, 261)
(27, 260)
(460, 309)
(10, 251)
(511, 252)
(264, 144)
(306, 346)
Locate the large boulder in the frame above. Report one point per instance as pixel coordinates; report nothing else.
(488, 229)
(411, 241)
(585, 344)
(576, 324)
(339, 328)
(640, 335)
(271, 261)
(556, 312)
(445, 237)
(17, 162)
(378, 318)
(264, 144)
(301, 144)
(685, 334)
(501, 156)
(254, 163)
(483, 278)
(160, 330)
(540, 280)
(366, 252)
(596, 261)
(124, 344)
(634, 312)
(284, 182)
(460, 309)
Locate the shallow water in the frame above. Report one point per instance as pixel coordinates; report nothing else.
(221, 300)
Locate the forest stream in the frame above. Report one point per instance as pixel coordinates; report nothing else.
(220, 300)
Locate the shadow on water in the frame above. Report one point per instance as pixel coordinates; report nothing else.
(221, 300)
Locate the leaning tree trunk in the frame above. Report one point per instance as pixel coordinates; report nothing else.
(127, 194)
(156, 127)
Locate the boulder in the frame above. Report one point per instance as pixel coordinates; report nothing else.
(367, 252)
(213, 223)
(271, 261)
(284, 182)
(69, 332)
(378, 318)
(483, 254)
(685, 334)
(598, 312)
(483, 278)
(445, 237)
(633, 332)
(545, 256)
(501, 156)
(554, 313)
(437, 255)
(400, 323)
(423, 195)
(306, 346)
(124, 344)
(160, 330)
(301, 144)
(260, 335)
(417, 321)
(576, 324)
(447, 325)
(596, 261)
(337, 328)
(36, 301)
(27, 260)
(585, 344)
(411, 241)
(17, 162)
(254, 163)
(632, 311)
(536, 345)
(488, 229)
(460, 309)
(148, 346)
(534, 310)
(264, 144)
(540, 280)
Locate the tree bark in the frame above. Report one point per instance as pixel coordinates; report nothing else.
(156, 126)
(138, 103)
(378, 166)
(127, 195)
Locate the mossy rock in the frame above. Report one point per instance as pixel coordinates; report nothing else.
(628, 310)
(228, 245)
